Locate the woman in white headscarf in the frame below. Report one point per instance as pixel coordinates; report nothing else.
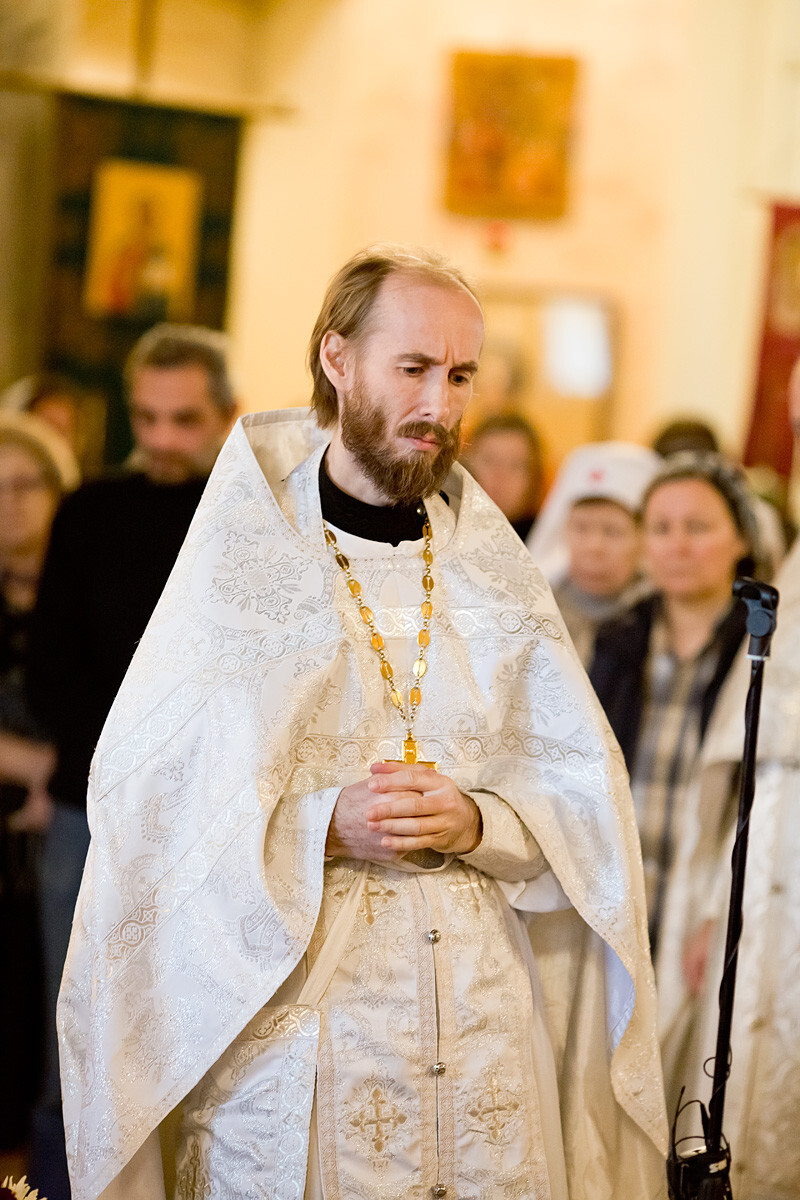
(587, 539)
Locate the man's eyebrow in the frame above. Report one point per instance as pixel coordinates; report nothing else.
(426, 360)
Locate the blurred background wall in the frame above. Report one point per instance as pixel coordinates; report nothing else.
(687, 127)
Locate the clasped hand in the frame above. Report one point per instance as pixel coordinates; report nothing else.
(401, 808)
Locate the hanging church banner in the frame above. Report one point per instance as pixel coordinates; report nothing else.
(511, 135)
(769, 440)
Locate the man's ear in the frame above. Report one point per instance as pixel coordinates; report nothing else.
(335, 357)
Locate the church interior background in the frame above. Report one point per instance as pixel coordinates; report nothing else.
(629, 253)
(620, 178)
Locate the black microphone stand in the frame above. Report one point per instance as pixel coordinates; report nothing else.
(703, 1172)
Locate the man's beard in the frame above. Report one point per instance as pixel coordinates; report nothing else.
(403, 479)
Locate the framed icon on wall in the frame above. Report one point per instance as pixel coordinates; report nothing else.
(143, 239)
(511, 135)
(142, 201)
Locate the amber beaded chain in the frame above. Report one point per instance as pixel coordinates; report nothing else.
(407, 713)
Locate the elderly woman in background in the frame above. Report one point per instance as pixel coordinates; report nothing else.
(36, 467)
(587, 539)
(658, 669)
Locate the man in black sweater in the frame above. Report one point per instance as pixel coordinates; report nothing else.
(113, 545)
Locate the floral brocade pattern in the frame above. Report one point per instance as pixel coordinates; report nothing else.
(244, 1126)
(254, 579)
(762, 1106)
(241, 718)
(398, 1004)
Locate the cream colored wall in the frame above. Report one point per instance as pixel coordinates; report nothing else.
(741, 149)
(204, 52)
(360, 158)
(689, 119)
(689, 125)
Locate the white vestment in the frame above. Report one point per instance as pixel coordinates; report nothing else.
(219, 965)
(762, 1104)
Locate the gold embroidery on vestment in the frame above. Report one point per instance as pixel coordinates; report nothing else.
(496, 1112)
(378, 1119)
(192, 1182)
(373, 896)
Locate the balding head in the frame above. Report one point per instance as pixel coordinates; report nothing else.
(353, 294)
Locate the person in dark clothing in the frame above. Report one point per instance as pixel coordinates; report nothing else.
(619, 668)
(658, 668)
(113, 545)
(36, 468)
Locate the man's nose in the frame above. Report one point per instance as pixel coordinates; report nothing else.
(159, 436)
(438, 398)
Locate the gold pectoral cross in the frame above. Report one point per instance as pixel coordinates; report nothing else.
(411, 755)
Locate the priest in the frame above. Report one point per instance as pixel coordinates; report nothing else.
(363, 910)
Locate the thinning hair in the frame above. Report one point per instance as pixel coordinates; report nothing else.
(166, 346)
(350, 299)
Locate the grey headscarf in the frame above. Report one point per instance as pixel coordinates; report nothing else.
(727, 478)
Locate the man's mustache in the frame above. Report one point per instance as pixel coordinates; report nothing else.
(445, 438)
